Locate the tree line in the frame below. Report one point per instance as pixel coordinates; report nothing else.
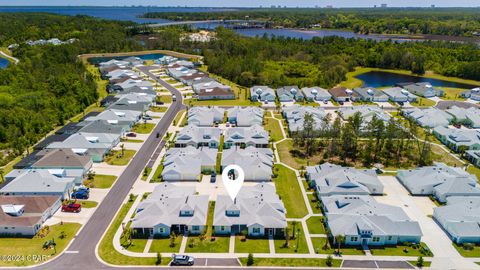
(439, 21)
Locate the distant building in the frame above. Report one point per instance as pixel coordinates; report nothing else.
(397, 94)
(242, 137)
(428, 117)
(289, 94)
(259, 162)
(295, 116)
(316, 93)
(343, 94)
(262, 93)
(423, 90)
(370, 94)
(205, 116)
(245, 116)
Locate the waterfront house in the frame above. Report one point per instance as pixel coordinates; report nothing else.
(397, 94)
(423, 90)
(370, 94)
(343, 94)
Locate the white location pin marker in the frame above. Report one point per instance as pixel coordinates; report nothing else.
(232, 177)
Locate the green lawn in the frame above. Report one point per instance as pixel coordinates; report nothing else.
(399, 250)
(475, 252)
(157, 175)
(315, 225)
(158, 109)
(290, 262)
(251, 245)
(176, 122)
(286, 157)
(131, 140)
(137, 245)
(452, 93)
(299, 243)
(474, 170)
(220, 245)
(165, 99)
(423, 102)
(320, 247)
(103, 181)
(115, 157)
(87, 204)
(146, 172)
(143, 128)
(163, 245)
(107, 252)
(312, 199)
(290, 192)
(273, 127)
(33, 246)
(440, 155)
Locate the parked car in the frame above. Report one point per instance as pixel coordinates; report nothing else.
(174, 97)
(266, 102)
(80, 194)
(213, 177)
(160, 102)
(82, 189)
(182, 260)
(400, 103)
(131, 134)
(340, 102)
(227, 124)
(72, 208)
(325, 102)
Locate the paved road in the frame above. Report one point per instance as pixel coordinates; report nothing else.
(87, 239)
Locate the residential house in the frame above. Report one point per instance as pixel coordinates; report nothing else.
(191, 79)
(171, 209)
(102, 126)
(131, 83)
(262, 93)
(124, 118)
(295, 116)
(366, 222)
(423, 89)
(316, 93)
(440, 181)
(460, 219)
(473, 94)
(370, 94)
(245, 116)
(215, 93)
(257, 210)
(38, 183)
(428, 117)
(398, 94)
(289, 94)
(198, 137)
(258, 162)
(187, 164)
(96, 146)
(367, 112)
(197, 86)
(343, 94)
(205, 116)
(466, 116)
(243, 137)
(126, 104)
(63, 159)
(473, 156)
(25, 215)
(49, 140)
(458, 140)
(329, 179)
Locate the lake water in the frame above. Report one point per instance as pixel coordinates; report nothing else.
(382, 79)
(151, 56)
(3, 63)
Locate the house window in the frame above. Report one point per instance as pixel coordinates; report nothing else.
(390, 238)
(222, 228)
(161, 230)
(354, 239)
(376, 239)
(256, 230)
(195, 228)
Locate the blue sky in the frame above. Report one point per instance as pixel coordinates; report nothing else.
(243, 3)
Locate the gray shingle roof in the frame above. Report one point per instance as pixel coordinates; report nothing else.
(38, 182)
(257, 162)
(245, 116)
(205, 116)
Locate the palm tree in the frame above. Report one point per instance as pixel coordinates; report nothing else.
(122, 146)
(294, 225)
(2, 171)
(286, 237)
(339, 239)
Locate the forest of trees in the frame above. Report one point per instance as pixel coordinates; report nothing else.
(49, 84)
(280, 61)
(356, 143)
(439, 21)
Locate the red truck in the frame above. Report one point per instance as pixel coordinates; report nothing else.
(72, 207)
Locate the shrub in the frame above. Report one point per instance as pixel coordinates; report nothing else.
(468, 246)
(420, 261)
(159, 259)
(329, 261)
(250, 259)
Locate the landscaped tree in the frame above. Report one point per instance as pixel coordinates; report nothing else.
(250, 259)
(329, 260)
(287, 236)
(339, 239)
(420, 262)
(158, 261)
(307, 134)
(2, 172)
(294, 227)
(122, 146)
(173, 238)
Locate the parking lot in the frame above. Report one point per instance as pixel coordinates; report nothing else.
(371, 264)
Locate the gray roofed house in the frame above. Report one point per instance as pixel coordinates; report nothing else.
(366, 111)
(49, 140)
(139, 89)
(473, 94)
(179, 71)
(458, 139)
(198, 137)
(423, 89)
(258, 162)
(25, 215)
(205, 116)
(469, 117)
(70, 128)
(102, 126)
(38, 182)
(371, 94)
(117, 117)
(363, 221)
(473, 156)
(460, 219)
(343, 94)
(119, 73)
(138, 97)
(262, 93)
(295, 116)
(126, 104)
(170, 208)
(329, 179)
(428, 117)
(316, 93)
(245, 116)
(289, 93)
(130, 83)
(397, 94)
(95, 145)
(198, 86)
(257, 209)
(133, 60)
(255, 136)
(439, 180)
(187, 164)
(63, 159)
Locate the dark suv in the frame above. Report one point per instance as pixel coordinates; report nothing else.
(182, 260)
